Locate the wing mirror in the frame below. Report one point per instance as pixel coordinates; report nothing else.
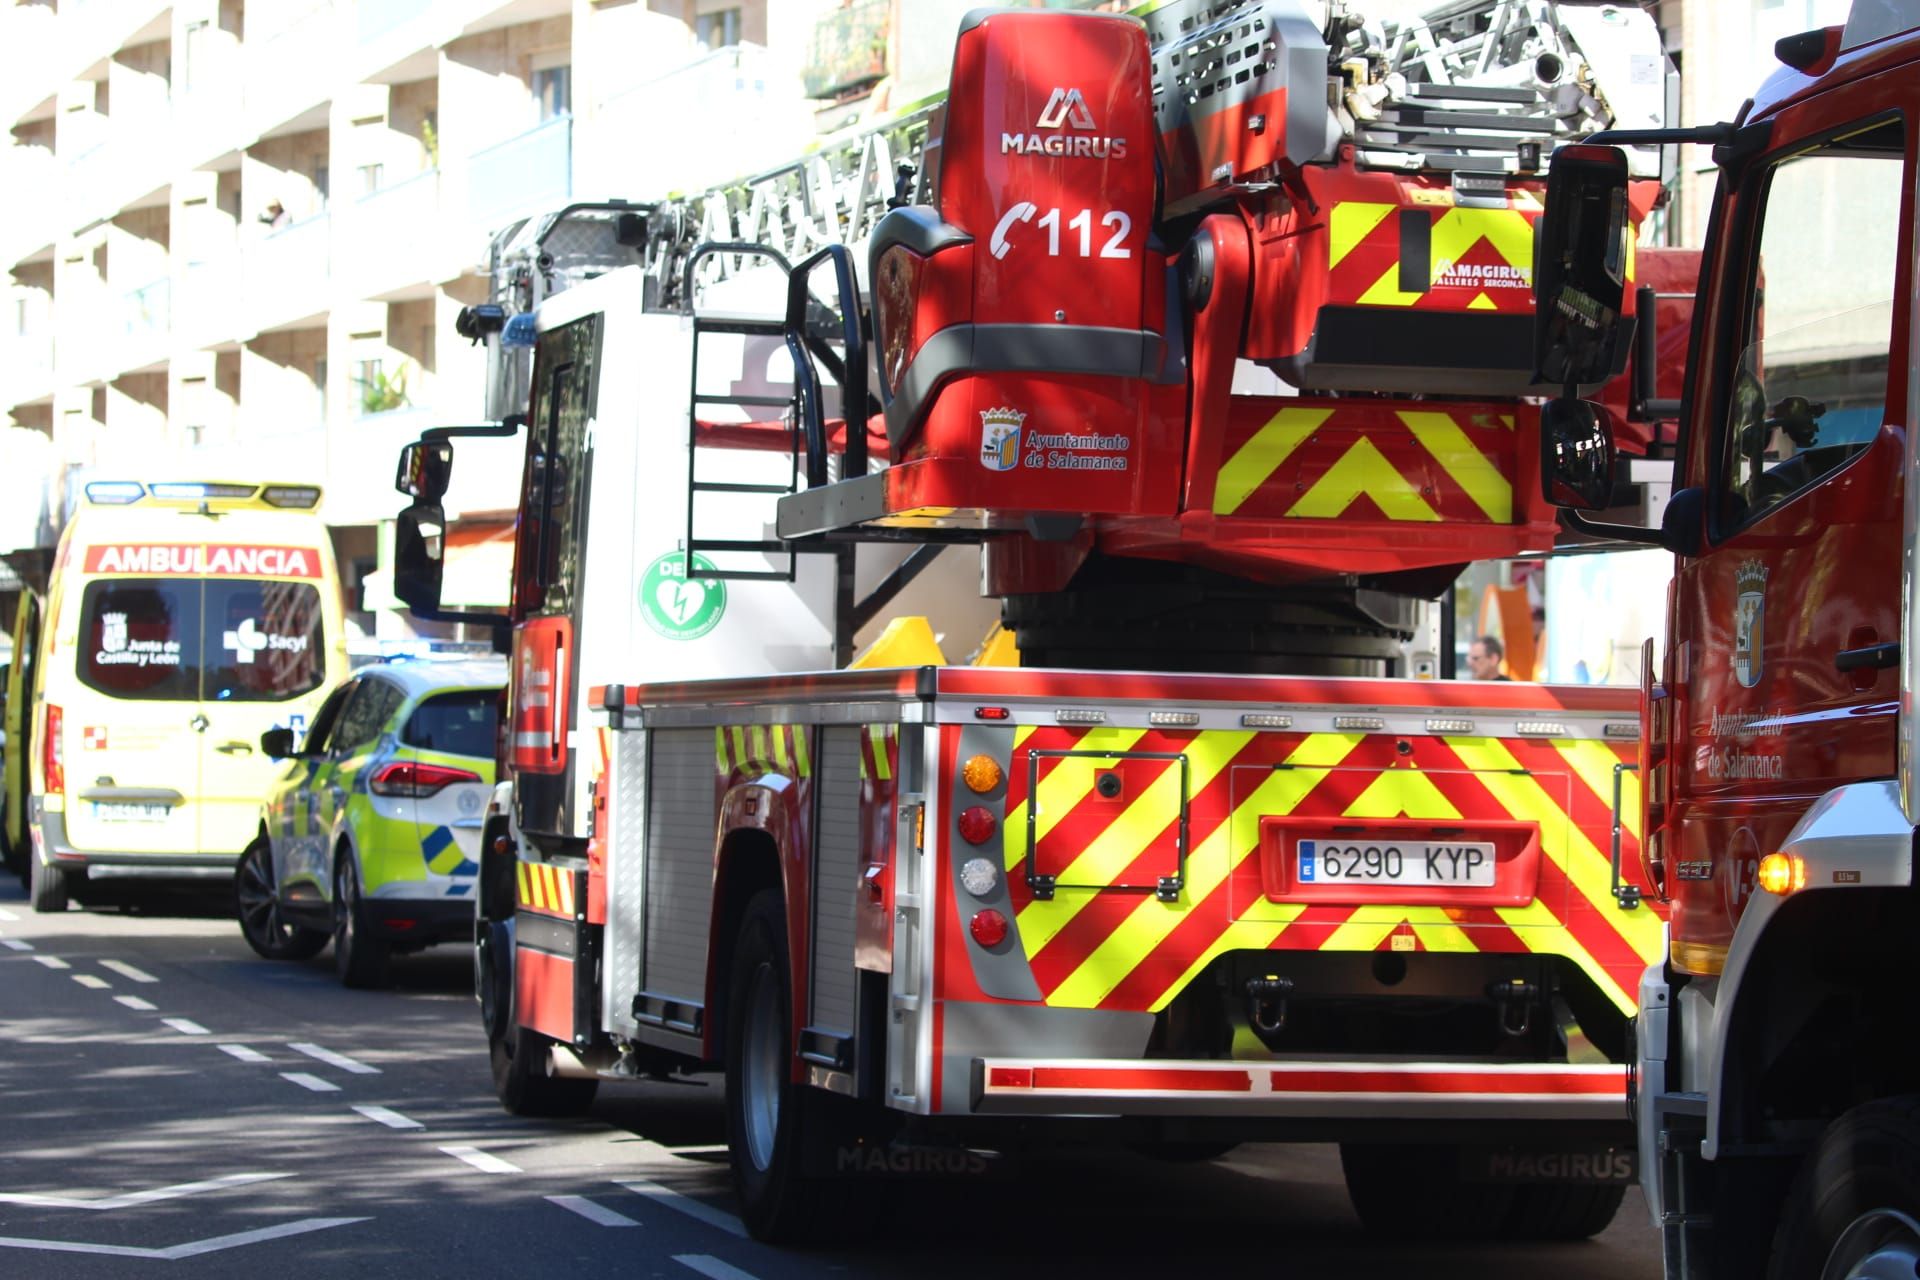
(277, 744)
(426, 468)
(1580, 267)
(419, 555)
(1576, 455)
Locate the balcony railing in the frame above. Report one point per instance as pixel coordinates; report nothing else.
(31, 178)
(376, 20)
(528, 172)
(292, 69)
(207, 306)
(146, 318)
(286, 272)
(26, 368)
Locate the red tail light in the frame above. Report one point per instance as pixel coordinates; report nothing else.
(415, 781)
(53, 752)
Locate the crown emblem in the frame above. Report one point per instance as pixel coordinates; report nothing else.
(1751, 576)
(1000, 438)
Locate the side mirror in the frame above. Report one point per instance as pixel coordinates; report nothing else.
(426, 468)
(277, 744)
(1580, 267)
(1576, 455)
(419, 550)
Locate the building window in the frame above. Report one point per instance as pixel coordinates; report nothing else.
(717, 29)
(370, 178)
(553, 90)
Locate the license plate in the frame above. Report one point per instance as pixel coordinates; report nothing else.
(1410, 862)
(115, 811)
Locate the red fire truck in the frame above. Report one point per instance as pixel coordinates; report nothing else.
(1209, 332)
(1778, 1094)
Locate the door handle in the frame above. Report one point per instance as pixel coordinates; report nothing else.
(234, 749)
(1871, 657)
(199, 723)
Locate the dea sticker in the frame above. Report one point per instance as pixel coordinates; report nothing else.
(677, 606)
(1749, 618)
(1000, 438)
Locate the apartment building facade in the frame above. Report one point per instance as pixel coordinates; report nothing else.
(236, 232)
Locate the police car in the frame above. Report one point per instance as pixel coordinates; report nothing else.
(370, 835)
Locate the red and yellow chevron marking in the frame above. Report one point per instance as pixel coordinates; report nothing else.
(1093, 948)
(1369, 460)
(545, 888)
(1462, 259)
(761, 748)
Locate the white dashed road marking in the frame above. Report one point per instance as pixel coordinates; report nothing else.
(245, 1054)
(333, 1059)
(314, 1083)
(186, 1026)
(135, 1002)
(481, 1160)
(14, 944)
(593, 1212)
(686, 1204)
(92, 983)
(192, 1249)
(126, 970)
(7, 915)
(391, 1119)
(131, 1199)
(711, 1267)
(53, 962)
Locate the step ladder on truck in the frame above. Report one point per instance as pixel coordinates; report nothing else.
(1199, 869)
(1778, 1102)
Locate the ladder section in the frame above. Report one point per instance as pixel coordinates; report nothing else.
(743, 440)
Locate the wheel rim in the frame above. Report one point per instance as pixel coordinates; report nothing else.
(259, 908)
(760, 1074)
(345, 898)
(1883, 1244)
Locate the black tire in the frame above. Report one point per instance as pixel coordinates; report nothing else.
(1857, 1192)
(519, 1055)
(781, 1137)
(1416, 1193)
(46, 886)
(1564, 1211)
(257, 905)
(359, 956)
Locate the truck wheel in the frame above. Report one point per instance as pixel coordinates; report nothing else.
(46, 886)
(258, 906)
(1416, 1192)
(781, 1137)
(1564, 1211)
(517, 1054)
(1853, 1209)
(359, 957)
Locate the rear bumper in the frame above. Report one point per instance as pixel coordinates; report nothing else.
(1307, 1090)
(420, 921)
(102, 864)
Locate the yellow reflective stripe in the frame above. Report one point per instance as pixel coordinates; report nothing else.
(1386, 291)
(1400, 793)
(1593, 762)
(1458, 230)
(1360, 935)
(1108, 854)
(1561, 840)
(563, 880)
(1351, 222)
(1437, 931)
(526, 889)
(1209, 864)
(800, 733)
(1065, 786)
(878, 733)
(780, 757)
(757, 740)
(720, 749)
(737, 736)
(1262, 455)
(1542, 932)
(1442, 437)
(1364, 470)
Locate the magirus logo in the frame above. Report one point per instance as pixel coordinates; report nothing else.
(1065, 109)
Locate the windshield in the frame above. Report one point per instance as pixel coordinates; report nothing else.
(187, 640)
(461, 723)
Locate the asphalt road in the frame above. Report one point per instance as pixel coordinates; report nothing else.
(171, 1099)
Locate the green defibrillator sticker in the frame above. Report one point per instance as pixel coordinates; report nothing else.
(680, 607)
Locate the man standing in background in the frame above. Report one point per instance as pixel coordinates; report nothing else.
(1484, 657)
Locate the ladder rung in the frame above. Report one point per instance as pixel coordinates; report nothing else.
(748, 575)
(708, 486)
(726, 544)
(771, 402)
(750, 325)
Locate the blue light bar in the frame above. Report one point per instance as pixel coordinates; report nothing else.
(114, 492)
(519, 331)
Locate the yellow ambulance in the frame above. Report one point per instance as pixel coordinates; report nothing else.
(181, 621)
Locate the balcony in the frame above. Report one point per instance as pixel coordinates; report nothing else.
(30, 177)
(26, 368)
(529, 172)
(207, 307)
(391, 239)
(290, 73)
(208, 120)
(285, 275)
(146, 320)
(849, 50)
(378, 20)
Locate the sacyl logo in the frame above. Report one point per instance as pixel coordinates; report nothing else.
(1065, 109)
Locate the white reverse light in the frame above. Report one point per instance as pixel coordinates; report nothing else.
(979, 877)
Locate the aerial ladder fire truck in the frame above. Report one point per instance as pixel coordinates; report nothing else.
(1205, 337)
(1777, 1090)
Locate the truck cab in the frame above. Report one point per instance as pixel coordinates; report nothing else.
(1773, 1079)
